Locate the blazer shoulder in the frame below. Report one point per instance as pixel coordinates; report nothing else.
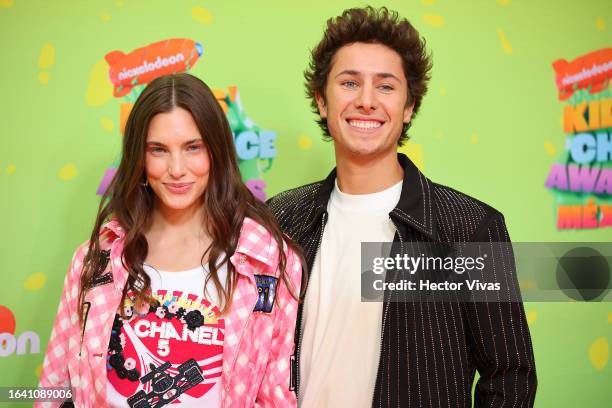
(294, 199)
(461, 216)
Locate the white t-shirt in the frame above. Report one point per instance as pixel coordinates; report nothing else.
(183, 333)
(341, 335)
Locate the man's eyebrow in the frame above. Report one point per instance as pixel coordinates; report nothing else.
(382, 75)
(348, 72)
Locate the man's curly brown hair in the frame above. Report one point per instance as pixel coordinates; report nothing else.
(373, 26)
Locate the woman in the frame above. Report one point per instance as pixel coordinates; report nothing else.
(186, 293)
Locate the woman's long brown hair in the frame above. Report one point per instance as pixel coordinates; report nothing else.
(227, 201)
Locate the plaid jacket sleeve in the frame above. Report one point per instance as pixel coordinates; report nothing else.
(274, 390)
(64, 339)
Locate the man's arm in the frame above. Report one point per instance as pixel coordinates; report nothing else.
(498, 335)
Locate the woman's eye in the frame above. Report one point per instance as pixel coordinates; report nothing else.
(156, 149)
(194, 148)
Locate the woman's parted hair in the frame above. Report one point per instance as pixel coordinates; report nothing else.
(227, 201)
(373, 26)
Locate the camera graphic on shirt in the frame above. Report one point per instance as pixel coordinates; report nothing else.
(165, 388)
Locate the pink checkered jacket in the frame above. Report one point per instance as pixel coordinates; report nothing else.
(257, 349)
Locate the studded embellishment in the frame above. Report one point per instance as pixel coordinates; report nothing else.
(266, 290)
(101, 278)
(165, 387)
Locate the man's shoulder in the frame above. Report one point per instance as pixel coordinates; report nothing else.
(294, 199)
(295, 208)
(461, 216)
(461, 201)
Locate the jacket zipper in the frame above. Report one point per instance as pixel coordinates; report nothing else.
(384, 321)
(298, 323)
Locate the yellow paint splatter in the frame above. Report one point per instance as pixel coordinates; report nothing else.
(119, 3)
(599, 353)
(10, 169)
(503, 2)
(600, 24)
(507, 47)
(99, 88)
(38, 370)
(68, 172)
(439, 135)
(6, 3)
(527, 284)
(474, 138)
(428, 2)
(201, 15)
(305, 142)
(46, 57)
(44, 77)
(550, 148)
(532, 316)
(442, 90)
(107, 124)
(415, 152)
(104, 16)
(35, 281)
(434, 20)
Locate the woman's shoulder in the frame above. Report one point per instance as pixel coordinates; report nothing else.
(256, 240)
(109, 232)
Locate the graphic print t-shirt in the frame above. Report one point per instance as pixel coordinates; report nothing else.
(170, 355)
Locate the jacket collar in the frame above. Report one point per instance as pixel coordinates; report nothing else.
(415, 207)
(113, 227)
(254, 242)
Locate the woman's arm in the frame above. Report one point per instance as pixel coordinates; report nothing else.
(65, 331)
(275, 388)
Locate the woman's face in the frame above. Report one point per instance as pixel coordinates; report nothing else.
(176, 161)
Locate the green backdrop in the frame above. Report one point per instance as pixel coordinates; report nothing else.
(490, 126)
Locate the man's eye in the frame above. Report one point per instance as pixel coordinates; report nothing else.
(349, 84)
(386, 88)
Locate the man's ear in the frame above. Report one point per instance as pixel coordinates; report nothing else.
(408, 112)
(321, 104)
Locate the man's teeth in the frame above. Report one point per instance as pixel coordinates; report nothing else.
(365, 124)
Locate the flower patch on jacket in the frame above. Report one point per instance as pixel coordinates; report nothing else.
(166, 354)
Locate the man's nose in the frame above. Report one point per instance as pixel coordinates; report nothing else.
(366, 99)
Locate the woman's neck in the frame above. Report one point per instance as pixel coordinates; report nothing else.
(190, 220)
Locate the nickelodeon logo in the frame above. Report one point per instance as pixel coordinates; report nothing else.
(26, 343)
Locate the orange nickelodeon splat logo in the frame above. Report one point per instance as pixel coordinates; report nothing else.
(143, 65)
(591, 70)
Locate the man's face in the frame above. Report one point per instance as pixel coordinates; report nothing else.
(365, 101)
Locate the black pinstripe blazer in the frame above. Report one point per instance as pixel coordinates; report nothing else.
(431, 351)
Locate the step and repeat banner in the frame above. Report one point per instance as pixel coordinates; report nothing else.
(518, 114)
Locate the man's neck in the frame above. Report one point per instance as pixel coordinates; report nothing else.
(366, 175)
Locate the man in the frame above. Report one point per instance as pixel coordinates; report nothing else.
(366, 79)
